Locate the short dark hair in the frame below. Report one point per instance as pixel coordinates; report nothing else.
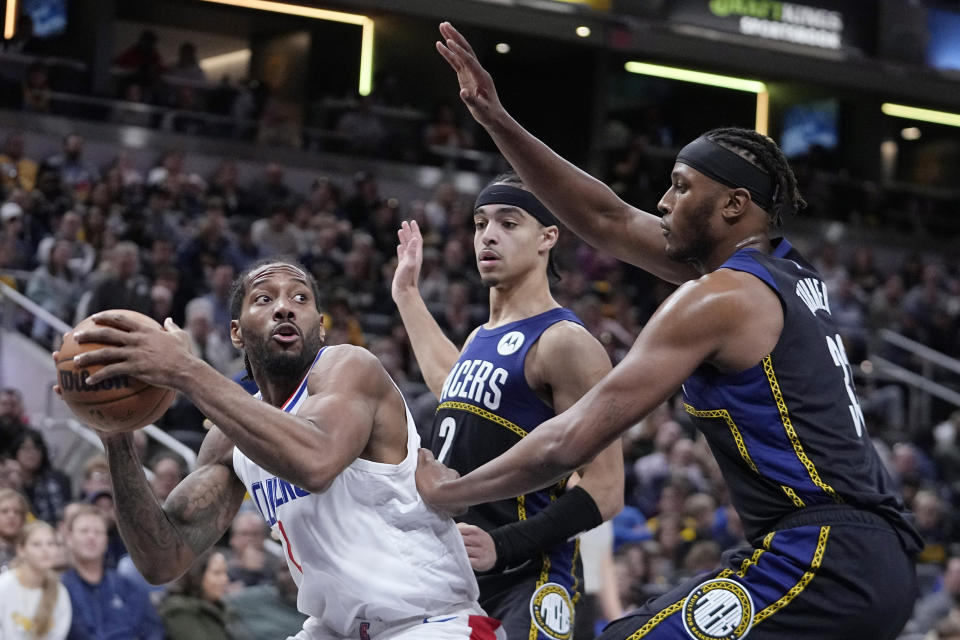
(764, 153)
(239, 287)
(511, 178)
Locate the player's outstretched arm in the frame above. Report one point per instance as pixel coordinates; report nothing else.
(583, 203)
(163, 541)
(435, 353)
(690, 328)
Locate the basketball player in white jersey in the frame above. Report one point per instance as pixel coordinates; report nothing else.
(327, 454)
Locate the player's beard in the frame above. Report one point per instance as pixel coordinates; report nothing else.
(284, 364)
(698, 241)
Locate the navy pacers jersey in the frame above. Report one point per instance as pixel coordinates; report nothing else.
(788, 433)
(486, 407)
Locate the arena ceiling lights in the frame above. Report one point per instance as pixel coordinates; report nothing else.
(762, 118)
(365, 23)
(922, 115)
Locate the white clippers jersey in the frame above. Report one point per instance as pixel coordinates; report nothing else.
(367, 548)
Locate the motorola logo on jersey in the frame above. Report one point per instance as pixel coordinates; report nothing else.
(718, 609)
(271, 493)
(510, 343)
(476, 380)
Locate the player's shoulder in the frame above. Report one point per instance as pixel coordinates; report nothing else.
(346, 364)
(565, 344)
(568, 333)
(719, 297)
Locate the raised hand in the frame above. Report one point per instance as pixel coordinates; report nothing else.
(431, 479)
(406, 278)
(476, 84)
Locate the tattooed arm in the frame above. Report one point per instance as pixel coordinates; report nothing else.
(164, 540)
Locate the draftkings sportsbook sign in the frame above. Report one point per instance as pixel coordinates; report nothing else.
(823, 25)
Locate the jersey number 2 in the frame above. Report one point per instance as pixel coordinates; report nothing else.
(835, 345)
(448, 426)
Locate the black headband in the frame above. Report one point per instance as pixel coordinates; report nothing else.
(516, 197)
(730, 168)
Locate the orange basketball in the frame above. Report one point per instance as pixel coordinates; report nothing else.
(115, 405)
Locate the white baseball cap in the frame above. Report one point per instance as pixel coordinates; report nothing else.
(10, 210)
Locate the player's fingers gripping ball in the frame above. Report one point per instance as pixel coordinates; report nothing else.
(117, 404)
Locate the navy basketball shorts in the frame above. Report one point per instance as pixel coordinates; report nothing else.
(535, 607)
(846, 580)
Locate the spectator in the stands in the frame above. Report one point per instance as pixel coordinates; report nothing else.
(167, 473)
(19, 253)
(444, 131)
(934, 606)
(35, 91)
(82, 255)
(33, 603)
(274, 234)
(76, 175)
(933, 523)
(54, 287)
(362, 128)
(221, 281)
(122, 287)
(13, 515)
(210, 246)
(96, 476)
(47, 488)
(187, 66)
(265, 611)
(194, 608)
(224, 185)
(143, 60)
(105, 604)
(207, 342)
(249, 562)
(366, 196)
(270, 190)
(16, 170)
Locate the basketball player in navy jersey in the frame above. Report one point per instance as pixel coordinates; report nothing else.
(764, 375)
(327, 455)
(531, 360)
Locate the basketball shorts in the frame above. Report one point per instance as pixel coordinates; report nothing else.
(469, 623)
(807, 581)
(534, 610)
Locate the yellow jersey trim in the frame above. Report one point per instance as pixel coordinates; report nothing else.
(483, 413)
(805, 579)
(792, 433)
(724, 415)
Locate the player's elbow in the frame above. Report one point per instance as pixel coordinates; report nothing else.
(562, 455)
(160, 573)
(610, 502)
(315, 477)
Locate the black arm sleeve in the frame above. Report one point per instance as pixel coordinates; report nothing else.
(572, 513)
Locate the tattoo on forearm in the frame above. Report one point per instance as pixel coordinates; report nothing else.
(143, 524)
(610, 412)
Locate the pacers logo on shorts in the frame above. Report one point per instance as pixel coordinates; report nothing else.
(718, 610)
(552, 611)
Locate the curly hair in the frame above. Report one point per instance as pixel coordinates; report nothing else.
(763, 152)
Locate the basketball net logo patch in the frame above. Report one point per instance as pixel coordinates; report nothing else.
(718, 610)
(510, 343)
(552, 611)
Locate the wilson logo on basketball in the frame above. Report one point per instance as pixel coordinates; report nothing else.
(74, 381)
